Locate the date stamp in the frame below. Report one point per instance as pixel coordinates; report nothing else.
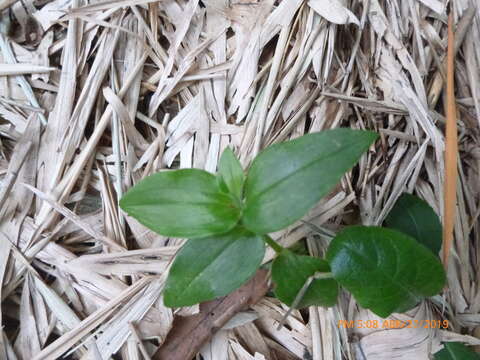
(392, 324)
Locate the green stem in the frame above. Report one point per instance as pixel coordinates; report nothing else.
(323, 275)
(273, 244)
(301, 293)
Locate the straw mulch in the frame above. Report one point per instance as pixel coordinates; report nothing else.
(94, 96)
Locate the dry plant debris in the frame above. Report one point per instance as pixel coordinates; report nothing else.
(94, 96)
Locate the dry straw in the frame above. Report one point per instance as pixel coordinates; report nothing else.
(94, 96)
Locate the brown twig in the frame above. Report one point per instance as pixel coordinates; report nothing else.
(451, 148)
(188, 334)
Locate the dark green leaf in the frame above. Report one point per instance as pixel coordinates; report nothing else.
(291, 271)
(287, 179)
(413, 216)
(207, 268)
(456, 351)
(231, 173)
(385, 270)
(181, 203)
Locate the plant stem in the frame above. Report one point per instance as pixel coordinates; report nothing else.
(323, 275)
(301, 293)
(273, 244)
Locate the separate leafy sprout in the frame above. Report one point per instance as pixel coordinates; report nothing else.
(456, 351)
(228, 218)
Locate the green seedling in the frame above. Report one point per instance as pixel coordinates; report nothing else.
(227, 218)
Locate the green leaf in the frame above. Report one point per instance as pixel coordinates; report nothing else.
(385, 270)
(181, 203)
(231, 173)
(291, 271)
(456, 351)
(207, 268)
(287, 179)
(413, 216)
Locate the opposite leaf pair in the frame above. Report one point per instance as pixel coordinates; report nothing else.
(228, 216)
(282, 184)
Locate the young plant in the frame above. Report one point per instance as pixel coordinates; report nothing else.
(228, 217)
(456, 351)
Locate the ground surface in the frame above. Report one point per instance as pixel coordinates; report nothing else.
(109, 92)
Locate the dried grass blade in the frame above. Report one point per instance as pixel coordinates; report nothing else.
(20, 69)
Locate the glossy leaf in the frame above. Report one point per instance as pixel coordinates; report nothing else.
(207, 268)
(290, 272)
(231, 173)
(181, 203)
(289, 178)
(456, 351)
(413, 216)
(385, 270)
